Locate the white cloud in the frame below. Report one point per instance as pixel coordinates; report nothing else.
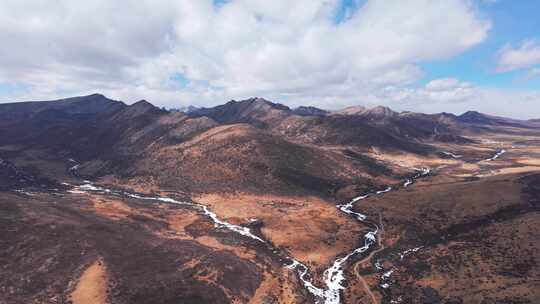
(511, 59)
(453, 95)
(447, 91)
(445, 84)
(290, 51)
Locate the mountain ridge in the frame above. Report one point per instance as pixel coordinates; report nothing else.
(98, 98)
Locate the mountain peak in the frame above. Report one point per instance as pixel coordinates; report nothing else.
(141, 107)
(96, 95)
(475, 117)
(141, 103)
(252, 109)
(258, 101)
(471, 113)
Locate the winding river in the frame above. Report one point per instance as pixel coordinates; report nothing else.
(333, 276)
(245, 231)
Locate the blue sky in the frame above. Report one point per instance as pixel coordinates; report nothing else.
(347, 7)
(512, 23)
(417, 55)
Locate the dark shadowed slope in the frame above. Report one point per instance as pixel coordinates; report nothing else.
(84, 105)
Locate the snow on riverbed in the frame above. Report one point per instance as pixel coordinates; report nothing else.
(239, 229)
(452, 154)
(24, 192)
(333, 276)
(347, 208)
(88, 187)
(421, 173)
(384, 191)
(408, 251)
(497, 155)
(387, 274)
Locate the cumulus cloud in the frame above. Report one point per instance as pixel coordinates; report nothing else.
(293, 52)
(180, 52)
(511, 58)
(436, 92)
(446, 84)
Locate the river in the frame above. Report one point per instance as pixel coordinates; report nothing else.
(334, 275)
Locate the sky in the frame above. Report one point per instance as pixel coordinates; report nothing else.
(416, 55)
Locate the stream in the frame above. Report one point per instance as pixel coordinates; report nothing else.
(384, 282)
(497, 155)
(245, 231)
(452, 155)
(334, 275)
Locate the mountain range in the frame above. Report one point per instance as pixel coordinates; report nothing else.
(255, 140)
(254, 202)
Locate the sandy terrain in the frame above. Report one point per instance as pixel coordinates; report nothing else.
(92, 285)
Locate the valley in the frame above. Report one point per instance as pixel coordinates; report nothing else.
(250, 202)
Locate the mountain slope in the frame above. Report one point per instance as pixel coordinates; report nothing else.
(481, 119)
(365, 128)
(208, 208)
(84, 105)
(253, 145)
(240, 157)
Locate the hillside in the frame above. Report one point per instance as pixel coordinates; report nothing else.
(254, 202)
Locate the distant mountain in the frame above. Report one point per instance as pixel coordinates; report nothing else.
(238, 145)
(93, 127)
(365, 127)
(309, 111)
(477, 118)
(187, 110)
(139, 108)
(257, 111)
(84, 105)
(253, 143)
